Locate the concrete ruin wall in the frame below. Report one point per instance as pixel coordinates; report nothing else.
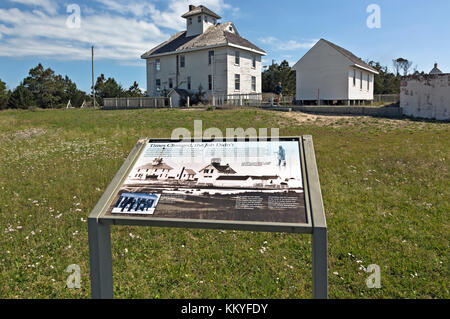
(426, 96)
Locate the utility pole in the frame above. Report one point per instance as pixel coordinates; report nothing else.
(93, 88)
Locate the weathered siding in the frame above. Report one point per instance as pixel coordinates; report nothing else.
(322, 72)
(245, 69)
(197, 67)
(355, 90)
(426, 96)
(326, 74)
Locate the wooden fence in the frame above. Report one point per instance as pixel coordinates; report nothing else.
(386, 98)
(250, 99)
(135, 103)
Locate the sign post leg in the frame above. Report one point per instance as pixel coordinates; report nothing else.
(100, 260)
(319, 263)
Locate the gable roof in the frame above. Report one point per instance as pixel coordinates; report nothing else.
(214, 36)
(349, 55)
(436, 71)
(200, 10)
(160, 165)
(181, 92)
(225, 169)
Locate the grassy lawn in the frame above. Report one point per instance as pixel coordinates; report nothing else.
(385, 187)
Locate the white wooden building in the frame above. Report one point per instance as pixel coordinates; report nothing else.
(328, 73)
(209, 55)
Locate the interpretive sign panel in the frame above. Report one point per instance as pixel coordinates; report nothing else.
(235, 181)
(244, 184)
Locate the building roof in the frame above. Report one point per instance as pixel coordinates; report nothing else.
(200, 10)
(161, 165)
(436, 70)
(190, 171)
(214, 36)
(225, 169)
(232, 178)
(350, 56)
(181, 92)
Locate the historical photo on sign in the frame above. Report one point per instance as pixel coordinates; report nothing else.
(247, 181)
(144, 204)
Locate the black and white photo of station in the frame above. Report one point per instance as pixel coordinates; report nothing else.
(128, 203)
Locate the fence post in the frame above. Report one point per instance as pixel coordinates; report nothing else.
(188, 101)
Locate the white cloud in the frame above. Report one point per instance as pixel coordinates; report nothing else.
(37, 34)
(120, 30)
(48, 5)
(280, 45)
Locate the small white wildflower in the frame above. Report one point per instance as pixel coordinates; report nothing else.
(132, 236)
(336, 273)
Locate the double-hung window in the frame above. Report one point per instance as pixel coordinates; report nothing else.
(210, 57)
(361, 85)
(237, 82)
(254, 83)
(182, 61)
(236, 57)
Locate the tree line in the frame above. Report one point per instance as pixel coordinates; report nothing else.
(43, 88)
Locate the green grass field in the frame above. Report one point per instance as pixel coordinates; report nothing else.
(385, 186)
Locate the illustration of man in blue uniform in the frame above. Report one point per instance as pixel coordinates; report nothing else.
(281, 156)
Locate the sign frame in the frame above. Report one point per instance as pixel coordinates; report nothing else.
(99, 223)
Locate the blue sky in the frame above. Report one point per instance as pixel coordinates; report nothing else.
(33, 31)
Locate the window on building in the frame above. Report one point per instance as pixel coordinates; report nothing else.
(182, 61)
(214, 21)
(170, 83)
(254, 83)
(190, 21)
(253, 61)
(189, 83)
(199, 19)
(210, 57)
(237, 82)
(361, 85)
(158, 65)
(210, 82)
(236, 57)
(354, 77)
(158, 85)
(206, 18)
(368, 82)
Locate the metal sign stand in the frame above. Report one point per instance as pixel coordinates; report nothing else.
(100, 240)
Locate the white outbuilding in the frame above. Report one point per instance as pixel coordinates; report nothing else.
(328, 72)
